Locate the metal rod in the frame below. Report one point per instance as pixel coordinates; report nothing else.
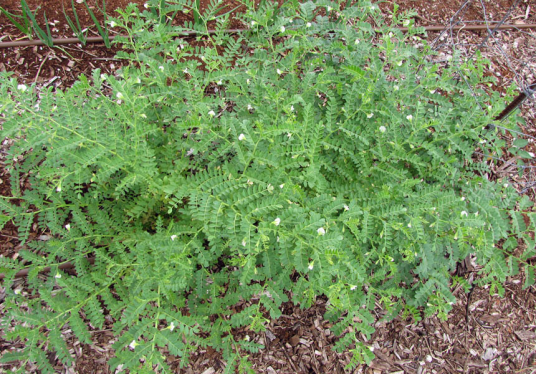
(98, 39)
(515, 103)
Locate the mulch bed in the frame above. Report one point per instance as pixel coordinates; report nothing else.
(483, 334)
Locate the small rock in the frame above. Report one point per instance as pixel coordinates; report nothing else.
(489, 354)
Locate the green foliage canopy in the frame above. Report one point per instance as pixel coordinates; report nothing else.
(310, 156)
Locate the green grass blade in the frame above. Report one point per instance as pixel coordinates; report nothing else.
(103, 33)
(77, 29)
(22, 28)
(197, 14)
(45, 37)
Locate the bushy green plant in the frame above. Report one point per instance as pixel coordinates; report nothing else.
(295, 160)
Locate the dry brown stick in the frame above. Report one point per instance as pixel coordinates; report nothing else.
(64, 266)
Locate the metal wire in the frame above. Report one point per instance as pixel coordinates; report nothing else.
(514, 73)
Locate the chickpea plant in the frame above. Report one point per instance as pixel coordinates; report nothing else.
(312, 155)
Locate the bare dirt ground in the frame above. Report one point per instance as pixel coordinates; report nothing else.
(483, 334)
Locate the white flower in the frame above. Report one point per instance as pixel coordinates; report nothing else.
(253, 23)
(248, 81)
(346, 207)
(396, 88)
(371, 348)
(463, 213)
(279, 72)
(289, 135)
(282, 185)
(22, 87)
(409, 225)
(244, 243)
(356, 42)
(68, 226)
(247, 338)
(370, 115)
(390, 34)
(308, 24)
(505, 185)
(58, 189)
(146, 5)
(406, 23)
(173, 237)
(277, 239)
(409, 118)
(382, 129)
(138, 80)
(103, 77)
(432, 92)
(185, 71)
(161, 68)
(113, 24)
(241, 137)
(399, 63)
(282, 28)
(277, 221)
(172, 326)
(463, 198)
(311, 265)
(353, 288)
(250, 107)
(133, 344)
(476, 214)
(57, 276)
(219, 82)
(329, 9)
(143, 115)
(203, 58)
(211, 113)
(270, 187)
(119, 95)
(249, 182)
(321, 231)
(292, 108)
